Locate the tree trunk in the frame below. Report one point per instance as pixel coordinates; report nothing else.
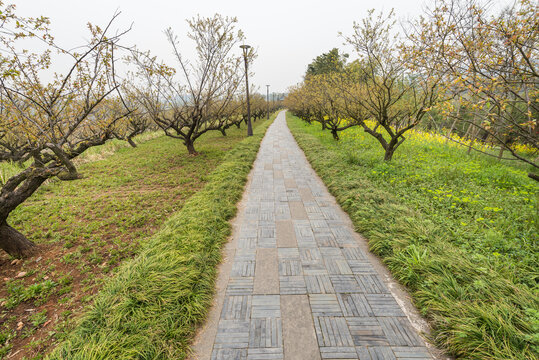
(335, 134)
(450, 131)
(238, 125)
(500, 154)
(191, 148)
(389, 154)
(15, 243)
(223, 131)
(131, 142)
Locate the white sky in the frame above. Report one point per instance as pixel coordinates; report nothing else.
(287, 34)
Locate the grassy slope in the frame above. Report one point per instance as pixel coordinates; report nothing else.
(459, 231)
(151, 308)
(85, 228)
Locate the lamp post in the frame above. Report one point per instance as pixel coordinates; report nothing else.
(267, 99)
(245, 49)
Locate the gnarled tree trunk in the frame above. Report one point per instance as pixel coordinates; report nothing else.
(15, 243)
(190, 147)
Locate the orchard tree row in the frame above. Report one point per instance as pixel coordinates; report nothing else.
(468, 72)
(109, 91)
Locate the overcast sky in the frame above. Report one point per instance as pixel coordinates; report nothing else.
(287, 34)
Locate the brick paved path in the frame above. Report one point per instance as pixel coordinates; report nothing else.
(300, 287)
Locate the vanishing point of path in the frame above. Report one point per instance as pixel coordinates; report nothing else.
(298, 283)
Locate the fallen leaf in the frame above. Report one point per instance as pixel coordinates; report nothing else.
(20, 275)
(20, 325)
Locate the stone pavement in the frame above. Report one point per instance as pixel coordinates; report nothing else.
(299, 285)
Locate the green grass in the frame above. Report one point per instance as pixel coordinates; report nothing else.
(152, 306)
(86, 228)
(461, 232)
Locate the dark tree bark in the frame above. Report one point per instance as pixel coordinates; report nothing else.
(223, 131)
(190, 147)
(335, 134)
(533, 176)
(131, 142)
(15, 243)
(389, 154)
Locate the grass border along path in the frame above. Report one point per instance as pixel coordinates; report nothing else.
(151, 307)
(478, 310)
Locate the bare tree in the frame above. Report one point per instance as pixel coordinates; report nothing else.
(194, 99)
(47, 125)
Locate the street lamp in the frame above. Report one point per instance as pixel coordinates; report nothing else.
(245, 49)
(267, 98)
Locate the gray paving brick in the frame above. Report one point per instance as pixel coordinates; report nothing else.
(312, 253)
(319, 284)
(353, 253)
(337, 266)
(290, 267)
(375, 353)
(366, 331)
(265, 354)
(399, 331)
(292, 285)
(329, 213)
(361, 267)
(236, 307)
(332, 332)
(345, 284)
(240, 286)
(355, 305)
(319, 224)
(331, 252)
(267, 215)
(229, 354)
(232, 334)
(266, 306)
(247, 243)
(371, 284)
(314, 267)
(266, 232)
(325, 240)
(325, 305)
(313, 208)
(243, 268)
(410, 353)
(265, 333)
(384, 305)
(338, 353)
